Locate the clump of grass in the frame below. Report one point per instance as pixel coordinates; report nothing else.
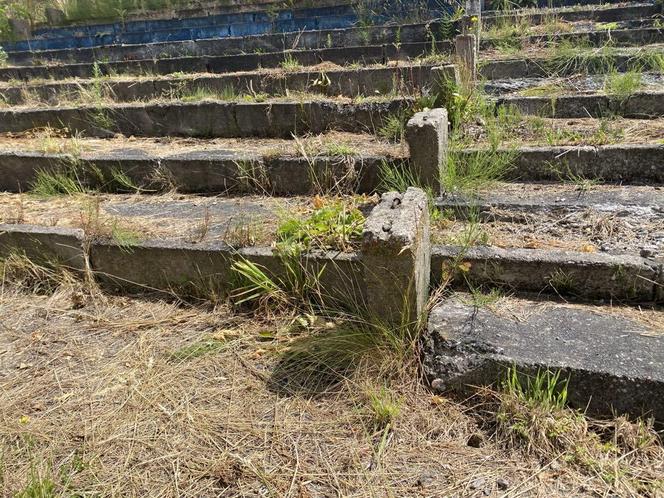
(385, 407)
(623, 85)
(63, 181)
(290, 63)
(579, 56)
(393, 129)
(470, 172)
(357, 342)
(40, 277)
(532, 416)
(199, 349)
(332, 226)
(473, 233)
(561, 281)
(201, 93)
(532, 413)
(340, 150)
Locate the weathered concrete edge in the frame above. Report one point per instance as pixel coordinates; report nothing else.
(202, 172)
(574, 274)
(232, 119)
(611, 14)
(625, 163)
(595, 276)
(611, 365)
(640, 105)
(349, 82)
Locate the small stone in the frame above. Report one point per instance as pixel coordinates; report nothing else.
(475, 440)
(426, 479)
(478, 483)
(648, 252)
(502, 484)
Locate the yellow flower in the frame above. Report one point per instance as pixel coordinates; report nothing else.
(473, 19)
(24, 420)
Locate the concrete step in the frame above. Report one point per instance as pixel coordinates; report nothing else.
(266, 43)
(211, 118)
(597, 13)
(602, 242)
(327, 79)
(613, 357)
(616, 220)
(619, 37)
(547, 63)
(334, 162)
(637, 105)
(365, 55)
(621, 163)
(579, 84)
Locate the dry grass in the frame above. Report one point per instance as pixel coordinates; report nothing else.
(582, 230)
(111, 396)
(54, 141)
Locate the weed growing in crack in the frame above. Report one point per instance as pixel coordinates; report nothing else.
(621, 86)
(561, 282)
(340, 150)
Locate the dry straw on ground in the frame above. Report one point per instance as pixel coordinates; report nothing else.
(110, 396)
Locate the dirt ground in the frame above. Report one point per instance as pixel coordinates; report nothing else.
(109, 396)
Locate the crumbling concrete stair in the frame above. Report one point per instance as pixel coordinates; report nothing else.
(614, 364)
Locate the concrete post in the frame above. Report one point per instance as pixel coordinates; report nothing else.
(21, 29)
(396, 253)
(471, 23)
(466, 56)
(55, 17)
(426, 134)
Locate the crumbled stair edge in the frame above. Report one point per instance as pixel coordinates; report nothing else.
(575, 274)
(614, 365)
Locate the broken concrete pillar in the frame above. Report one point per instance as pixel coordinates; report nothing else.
(471, 23)
(396, 253)
(21, 29)
(55, 17)
(466, 56)
(426, 134)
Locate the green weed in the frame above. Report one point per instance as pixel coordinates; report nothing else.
(470, 172)
(64, 181)
(622, 85)
(290, 63)
(385, 407)
(334, 226)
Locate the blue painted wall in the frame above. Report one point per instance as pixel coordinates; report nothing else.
(196, 28)
(218, 26)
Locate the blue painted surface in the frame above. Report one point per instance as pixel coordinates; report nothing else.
(164, 30)
(175, 30)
